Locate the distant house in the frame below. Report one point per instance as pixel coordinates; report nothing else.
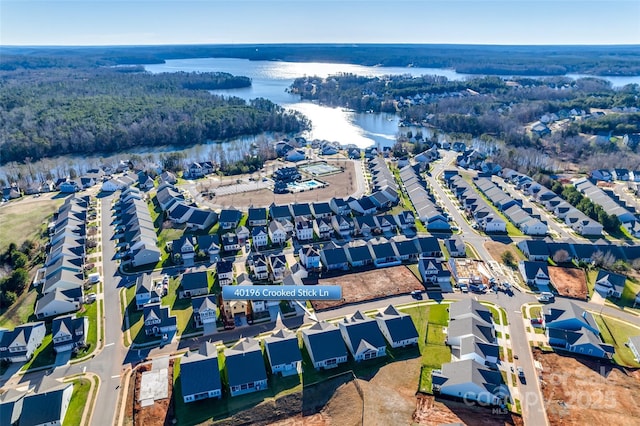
(428, 247)
(309, 257)
(257, 217)
(205, 310)
(279, 213)
(534, 273)
(245, 367)
(20, 343)
(340, 206)
(229, 218)
(146, 291)
(283, 353)
(456, 247)
(325, 345)
(363, 337)
(201, 219)
(194, 284)
(342, 225)
(433, 271)
(384, 253)
(260, 267)
(158, 321)
(259, 237)
(230, 242)
(184, 251)
(610, 284)
(334, 258)
(406, 250)
(277, 233)
(321, 210)
(69, 333)
(277, 267)
(200, 375)
(295, 155)
(359, 255)
(323, 228)
(304, 229)
(70, 186)
(46, 408)
(534, 250)
(405, 220)
(224, 271)
(397, 328)
(58, 302)
(243, 234)
(210, 245)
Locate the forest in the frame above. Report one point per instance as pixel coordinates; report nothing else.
(468, 59)
(107, 109)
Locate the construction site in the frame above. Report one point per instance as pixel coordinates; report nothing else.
(469, 271)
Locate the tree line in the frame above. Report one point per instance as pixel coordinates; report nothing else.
(71, 111)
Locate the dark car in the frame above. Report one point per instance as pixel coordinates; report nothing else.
(416, 294)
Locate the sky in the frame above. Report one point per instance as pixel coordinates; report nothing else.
(147, 22)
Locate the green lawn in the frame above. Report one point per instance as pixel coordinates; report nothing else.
(498, 316)
(416, 272)
(135, 317)
(91, 312)
(21, 312)
(430, 322)
(617, 333)
(182, 308)
(469, 252)
(78, 401)
(44, 355)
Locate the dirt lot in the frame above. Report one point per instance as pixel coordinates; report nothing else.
(570, 282)
(361, 286)
(578, 391)
(340, 185)
(157, 414)
(496, 249)
(430, 411)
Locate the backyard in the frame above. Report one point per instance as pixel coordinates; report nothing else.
(570, 282)
(26, 218)
(617, 333)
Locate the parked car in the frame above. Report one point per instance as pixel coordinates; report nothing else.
(416, 294)
(464, 288)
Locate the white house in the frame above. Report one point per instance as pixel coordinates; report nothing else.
(277, 233)
(397, 328)
(283, 353)
(260, 237)
(363, 337)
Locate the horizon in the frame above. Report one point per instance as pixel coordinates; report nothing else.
(111, 23)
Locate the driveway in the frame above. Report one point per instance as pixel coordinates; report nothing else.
(62, 358)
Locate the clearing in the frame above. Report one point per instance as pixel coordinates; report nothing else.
(433, 411)
(585, 392)
(24, 218)
(496, 249)
(339, 185)
(570, 282)
(374, 284)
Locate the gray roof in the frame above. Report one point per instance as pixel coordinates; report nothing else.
(472, 344)
(470, 326)
(195, 280)
(245, 363)
(469, 371)
(199, 371)
(43, 407)
(326, 341)
(400, 326)
(466, 306)
(282, 347)
(202, 303)
(361, 328)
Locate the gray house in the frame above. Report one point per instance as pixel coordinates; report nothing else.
(20, 343)
(363, 337)
(283, 353)
(397, 328)
(69, 333)
(325, 345)
(245, 367)
(47, 408)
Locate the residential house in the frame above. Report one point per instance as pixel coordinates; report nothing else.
(470, 381)
(434, 274)
(295, 155)
(470, 326)
(283, 353)
(384, 253)
(61, 279)
(168, 177)
(47, 408)
(229, 218)
(58, 302)
(194, 284)
(340, 207)
(205, 310)
(363, 337)
(406, 249)
(147, 291)
(69, 333)
(304, 229)
(387, 224)
(405, 220)
(277, 267)
(323, 228)
(477, 350)
(158, 321)
(321, 210)
(325, 345)
(260, 266)
(366, 225)
(428, 247)
(257, 216)
(200, 375)
(11, 407)
(201, 219)
(363, 206)
(224, 272)
(470, 308)
(243, 234)
(184, 251)
(610, 284)
(534, 250)
(245, 367)
(145, 182)
(456, 247)
(334, 258)
(342, 225)
(277, 233)
(210, 245)
(260, 237)
(230, 242)
(301, 211)
(279, 213)
(535, 273)
(359, 255)
(398, 328)
(70, 186)
(19, 344)
(309, 257)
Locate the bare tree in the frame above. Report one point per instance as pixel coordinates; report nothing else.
(561, 256)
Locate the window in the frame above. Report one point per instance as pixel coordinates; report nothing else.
(331, 361)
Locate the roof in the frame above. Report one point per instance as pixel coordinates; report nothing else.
(359, 253)
(471, 326)
(463, 307)
(202, 303)
(224, 266)
(611, 279)
(361, 328)
(325, 341)
(43, 407)
(283, 348)
(536, 247)
(244, 362)
(200, 216)
(195, 280)
(469, 371)
(400, 326)
(427, 244)
(321, 209)
(230, 216)
(471, 344)
(279, 212)
(563, 309)
(334, 256)
(383, 250)
(10, 406)
(532, 269)
(205, 242)
(199, 371)
(257, 214)
(406, 247)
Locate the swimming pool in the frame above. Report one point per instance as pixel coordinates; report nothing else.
(306, 185)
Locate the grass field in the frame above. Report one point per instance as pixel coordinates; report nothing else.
(24, 218)
(44, 355)
(21, 311)
(78, 401)
(430, 322)
(91, 312)
(617, 333)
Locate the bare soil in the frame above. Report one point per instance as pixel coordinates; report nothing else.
(570, 282)
(496, 248)
(160, 412)
(432, 411)
(368, 285)
(581, 391)
(339, 185)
